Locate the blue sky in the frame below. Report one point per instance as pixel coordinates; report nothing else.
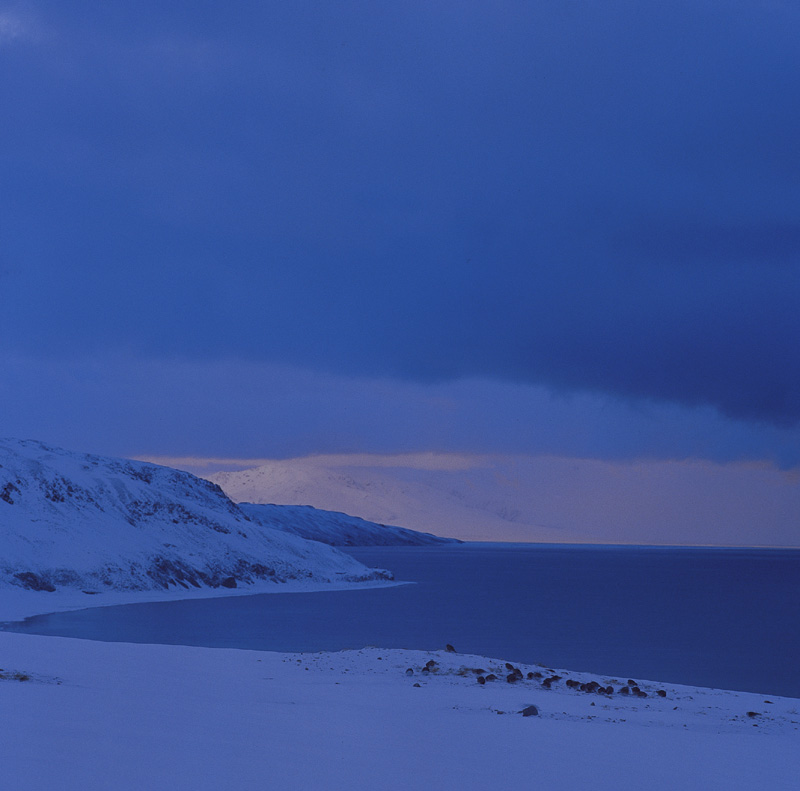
(257, 229)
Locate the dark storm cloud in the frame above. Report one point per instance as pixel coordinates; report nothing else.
(588, 196)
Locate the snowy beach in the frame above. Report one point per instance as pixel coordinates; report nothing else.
(90, 715)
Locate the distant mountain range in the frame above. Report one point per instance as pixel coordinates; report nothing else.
(554, 499)
(334, 528)
(73, 520)
(468, 501)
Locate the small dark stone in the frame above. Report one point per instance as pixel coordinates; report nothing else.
(426, 669)
(547, 684)
(228, 582)
(417, 684)
(449, 648)
(753, 714)
(661, 693)
(509, 666)
(430, 664)
(491, 677)
(625, 691)
(530, 711)
(537, 674)
(410, 671)
(530, 676)
(631, 683)
(481, 680)
(511, 678)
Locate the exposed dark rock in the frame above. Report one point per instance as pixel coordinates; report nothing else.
(449, 648)
(228, 582)
(33, 582)
(7, 491)
(530, 711)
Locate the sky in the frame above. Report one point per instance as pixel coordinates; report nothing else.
(275, 229)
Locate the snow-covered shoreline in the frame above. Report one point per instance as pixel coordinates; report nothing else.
(18, 604)
(91, 715)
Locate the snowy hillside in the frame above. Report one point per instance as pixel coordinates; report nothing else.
(71, 520)
(334, 528)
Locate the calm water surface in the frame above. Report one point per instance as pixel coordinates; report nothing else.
(710, 617)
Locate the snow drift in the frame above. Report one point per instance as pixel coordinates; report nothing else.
(73, 520)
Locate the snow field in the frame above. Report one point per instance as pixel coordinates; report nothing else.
(120, 716)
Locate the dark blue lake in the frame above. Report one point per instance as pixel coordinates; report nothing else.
(727, 618)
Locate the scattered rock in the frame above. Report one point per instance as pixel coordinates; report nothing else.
(511, 678)
(417, 684)
(481, 680)
(491, 677)
(662, 693)
(228, 582)
(449, 648)
(410, 671)
(530, 711)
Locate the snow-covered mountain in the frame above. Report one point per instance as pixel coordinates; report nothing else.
(72, 520)
(334, 528)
